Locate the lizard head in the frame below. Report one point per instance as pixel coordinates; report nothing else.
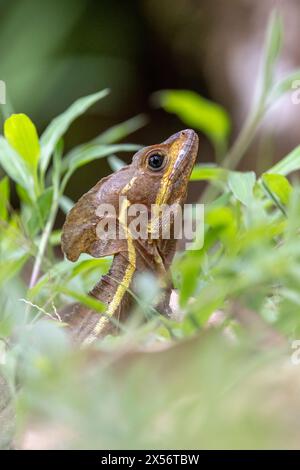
(158, 174)
(162, 171)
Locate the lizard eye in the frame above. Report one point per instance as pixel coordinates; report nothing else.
(155, 161)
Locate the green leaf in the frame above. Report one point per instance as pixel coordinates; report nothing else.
(87, 300)
(11, 265)
(60, 125)
(79, 157)
(21, 134)
(288, 164)
(55, 238)
(23, 195)
(242, 184)
(67, 270)
(273, 44)
(120, 131)
(4, 198)
(286, 85)
(115, 163)
(197, 112)
(65, 203)
(40, 211)
(208, 172)
(15, 167)
(278, 185)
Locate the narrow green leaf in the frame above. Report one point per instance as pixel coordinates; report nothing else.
(65, 203)
(278, 185)
(40, 212)
(87, 300)
(288, 164)
(120, 131)
(60, 125)
(290, 83)
(4, 198)
(115, 163)
(79, 157)
(21, 134)
(197, 112)
(272, 49)
(242, 184)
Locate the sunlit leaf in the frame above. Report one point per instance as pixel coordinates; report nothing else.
(4, 198)
(15, 167)
(21, 134)
(207, 172)
(279, 185)
(197, 112)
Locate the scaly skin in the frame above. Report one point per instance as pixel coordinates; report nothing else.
(141, 185)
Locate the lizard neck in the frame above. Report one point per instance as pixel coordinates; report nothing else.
(112, 290)
(112, 287)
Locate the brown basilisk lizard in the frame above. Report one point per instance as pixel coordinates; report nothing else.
(158, 175)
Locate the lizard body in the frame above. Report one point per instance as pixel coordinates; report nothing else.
(158, 175)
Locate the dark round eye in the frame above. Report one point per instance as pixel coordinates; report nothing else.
(155, 161)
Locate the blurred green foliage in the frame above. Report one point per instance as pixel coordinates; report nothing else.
(163, 383)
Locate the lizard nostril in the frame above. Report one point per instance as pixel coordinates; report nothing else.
(183, 133)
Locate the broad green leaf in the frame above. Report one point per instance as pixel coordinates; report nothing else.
(60, 125)
(115, 163)
(208, 172)
(197, 112)
(15, 167)
(242, 184)
(278, 185)
(21, 134)
(4, 198)
(273, 44)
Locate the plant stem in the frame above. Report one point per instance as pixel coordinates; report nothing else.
(245, 137)
(43, 243)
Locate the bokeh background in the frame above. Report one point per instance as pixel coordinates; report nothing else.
(52, 52)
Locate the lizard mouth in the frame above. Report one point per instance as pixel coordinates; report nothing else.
(187, 154)
(183, 148)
